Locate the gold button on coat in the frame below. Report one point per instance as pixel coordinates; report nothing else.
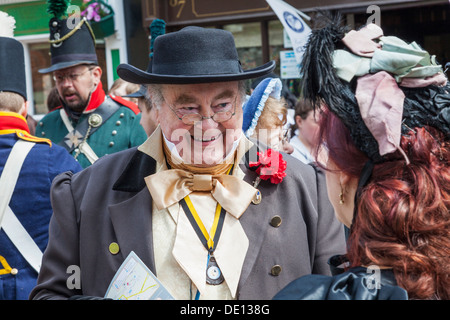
(275, 221)
(14, 271)
(114, 248)
(276, 270)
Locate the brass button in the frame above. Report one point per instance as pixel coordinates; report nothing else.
(275, 221)
(95, 120)
(276, 270)
(114, 248)
(14, 271)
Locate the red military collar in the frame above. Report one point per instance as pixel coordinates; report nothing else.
(97, 98)
(11, 121)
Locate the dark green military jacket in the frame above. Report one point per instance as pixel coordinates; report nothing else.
(120, 131)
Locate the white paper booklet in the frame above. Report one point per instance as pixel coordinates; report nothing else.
(134, 281)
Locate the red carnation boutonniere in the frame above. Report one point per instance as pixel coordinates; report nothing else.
(270, 166)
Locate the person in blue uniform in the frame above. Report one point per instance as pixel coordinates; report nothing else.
(25, 180)
(89, 123)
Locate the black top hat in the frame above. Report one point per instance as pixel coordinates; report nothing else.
(12, 67)
(70, 45)
(143, 89)
(193, 55)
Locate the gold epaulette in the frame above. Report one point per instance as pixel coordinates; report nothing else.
(28, 137)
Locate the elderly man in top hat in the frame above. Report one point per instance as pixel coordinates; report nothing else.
(27, 166)
(212, 216)
(88, 124)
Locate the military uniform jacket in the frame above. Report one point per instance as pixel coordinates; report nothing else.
(30, 201)
(121, 131)
(109, 203)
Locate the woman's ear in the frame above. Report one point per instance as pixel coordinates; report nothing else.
(298, 120)
(344, 178)
(348, 183)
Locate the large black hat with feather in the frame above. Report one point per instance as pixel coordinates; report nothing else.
(72, 41)
(326, 79)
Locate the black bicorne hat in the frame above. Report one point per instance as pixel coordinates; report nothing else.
(193, 55)
(70, 44)
(12, 67)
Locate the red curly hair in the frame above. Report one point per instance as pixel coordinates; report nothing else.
(403, 213)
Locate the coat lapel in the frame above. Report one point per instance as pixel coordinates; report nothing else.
(125, 216)
(136, 210)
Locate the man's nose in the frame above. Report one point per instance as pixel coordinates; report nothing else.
(66, 82)
(207, 123)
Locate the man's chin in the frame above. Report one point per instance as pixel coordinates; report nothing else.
(77, 107)
(201, 155)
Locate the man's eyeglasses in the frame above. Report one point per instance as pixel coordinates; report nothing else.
(220, 116)
(59, 78)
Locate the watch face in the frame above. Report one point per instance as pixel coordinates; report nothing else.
(213, 274)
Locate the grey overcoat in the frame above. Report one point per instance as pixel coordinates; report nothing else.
(109, 202)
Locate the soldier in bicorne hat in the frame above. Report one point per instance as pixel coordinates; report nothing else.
(27, 167)
(88, 123)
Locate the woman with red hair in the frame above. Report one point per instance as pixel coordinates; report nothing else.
(386, 131)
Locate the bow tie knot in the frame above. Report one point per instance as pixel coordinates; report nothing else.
(170, 186)
(201, 182)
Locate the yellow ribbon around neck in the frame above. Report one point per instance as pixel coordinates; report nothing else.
(209, 239)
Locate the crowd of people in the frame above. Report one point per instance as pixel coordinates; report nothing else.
(208, 184)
